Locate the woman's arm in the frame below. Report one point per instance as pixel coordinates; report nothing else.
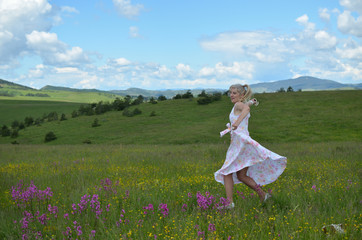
(243, 109)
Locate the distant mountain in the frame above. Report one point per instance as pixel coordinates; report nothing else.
(304, 83)
(169, 93)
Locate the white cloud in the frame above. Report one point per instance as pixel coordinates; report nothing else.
(162, 72)
(18, 18)
(324, 14)
(122, 62)
(183, 70)
(53, 51)
(133, 32)
(126, 9)
(352, 5)
(349, 25)
(237, 69)
(304, 20)
(37, 72)
(24, 30)
(325, 40)
(350, 52)
(262, 46)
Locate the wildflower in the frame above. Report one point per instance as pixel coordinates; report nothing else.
(66, 216)
(163, 209)
(204, 202)
(42, 219)
(212, 227)
(184, 207)
(93, 233)
(79, 230)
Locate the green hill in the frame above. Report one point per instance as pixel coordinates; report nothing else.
(13, 91)
(280, 117)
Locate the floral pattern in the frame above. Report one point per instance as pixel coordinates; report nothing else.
(264, 165)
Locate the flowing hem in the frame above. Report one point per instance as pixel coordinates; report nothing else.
(219, 177)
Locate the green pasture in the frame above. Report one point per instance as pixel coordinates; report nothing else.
(12, 110)
(280, 117)
(321, 186)
(56, 95)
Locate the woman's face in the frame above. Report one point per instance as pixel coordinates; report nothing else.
(235, 96)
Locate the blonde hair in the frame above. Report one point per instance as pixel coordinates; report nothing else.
(244, 90)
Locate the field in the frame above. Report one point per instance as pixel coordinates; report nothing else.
(152, 177)
(168, 192)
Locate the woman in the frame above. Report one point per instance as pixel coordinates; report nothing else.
(246, 160)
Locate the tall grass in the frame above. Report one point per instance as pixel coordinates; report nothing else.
(321, 186)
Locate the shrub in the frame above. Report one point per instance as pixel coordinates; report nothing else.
(50, 136)
(153, 113)
(62, 117)
(188, 94)
(38, 121)
(290, 89)
(138, 100)
(28, 121)
(204, 100)
(202, 94)
(21, 125)
(153, 100)
(127, 113)
(53, 116)
(95, 123)
(216, 96)
(74, 114)
(5, 131)
(137, 111)
(87, 141)
(14, 133)
(15, 124)
(161, 98)
(119, 104)
(178, 96)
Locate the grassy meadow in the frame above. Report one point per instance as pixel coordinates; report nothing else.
(280, 117)
(168, 192)
(149, 177)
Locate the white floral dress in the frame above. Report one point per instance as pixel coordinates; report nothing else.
(264, 165)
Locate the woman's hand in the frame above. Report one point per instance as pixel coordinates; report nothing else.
(234, 127)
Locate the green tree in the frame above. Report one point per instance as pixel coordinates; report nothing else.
(28, 121)
(161, 98)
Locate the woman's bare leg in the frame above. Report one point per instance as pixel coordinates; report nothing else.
(229, 187)
(250, 182)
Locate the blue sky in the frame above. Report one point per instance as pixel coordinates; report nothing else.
(163, 44)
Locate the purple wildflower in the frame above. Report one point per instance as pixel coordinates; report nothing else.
(204, 202)
(43, 219)
(212, 227)
(184, 207)
(79, 230)
(163, 209)
(93, 233)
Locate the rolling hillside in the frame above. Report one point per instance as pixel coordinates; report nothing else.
(280, 117)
